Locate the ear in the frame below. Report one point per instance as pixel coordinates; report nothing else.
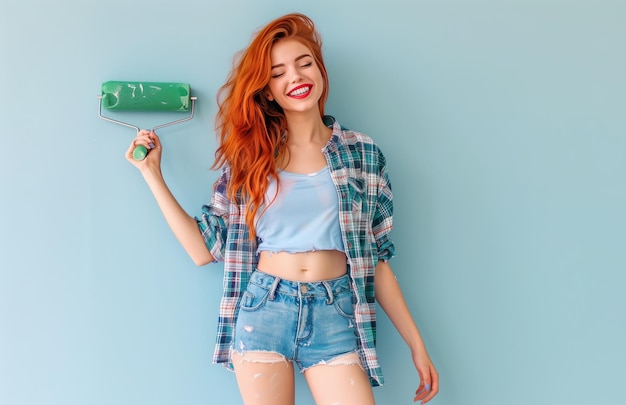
(268, 95)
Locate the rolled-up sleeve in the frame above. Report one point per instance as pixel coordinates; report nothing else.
(383, 216)
(213, 223)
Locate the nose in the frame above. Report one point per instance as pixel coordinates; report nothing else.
(295, 76)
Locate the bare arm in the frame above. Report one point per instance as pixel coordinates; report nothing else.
(389, 296)
(185, 227)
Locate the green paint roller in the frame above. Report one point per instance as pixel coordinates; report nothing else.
(146, 96)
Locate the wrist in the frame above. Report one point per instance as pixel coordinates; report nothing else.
(418, 348)
(152, 176)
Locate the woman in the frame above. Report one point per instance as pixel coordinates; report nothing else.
(301, 216)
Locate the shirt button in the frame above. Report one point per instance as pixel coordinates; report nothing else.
(304, 289)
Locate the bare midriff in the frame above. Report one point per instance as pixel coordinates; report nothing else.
(316, 265)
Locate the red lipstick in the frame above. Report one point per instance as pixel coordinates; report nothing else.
(301, 91)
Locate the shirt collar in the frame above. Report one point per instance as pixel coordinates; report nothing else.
(334, 140)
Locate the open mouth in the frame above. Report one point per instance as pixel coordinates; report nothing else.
(300, 91)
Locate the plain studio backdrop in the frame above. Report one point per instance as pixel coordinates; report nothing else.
(503, 122)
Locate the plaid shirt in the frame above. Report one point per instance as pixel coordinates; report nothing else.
(359, 172)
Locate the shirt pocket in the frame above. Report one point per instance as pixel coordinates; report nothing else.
(356, 194)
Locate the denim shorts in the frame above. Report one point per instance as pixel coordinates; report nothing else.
(308, 323)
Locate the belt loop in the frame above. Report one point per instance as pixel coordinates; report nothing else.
(273, 288)
(331, 297)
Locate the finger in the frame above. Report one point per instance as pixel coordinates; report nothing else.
(424, 396)
(432, 391)
(155, 141)
(145, 138)
(428, 388)
(142, 134)
(429, 397)
(420, 394)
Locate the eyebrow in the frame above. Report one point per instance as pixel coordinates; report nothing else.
(297, 59)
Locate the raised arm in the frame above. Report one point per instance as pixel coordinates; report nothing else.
(389, 296)
(184, 226)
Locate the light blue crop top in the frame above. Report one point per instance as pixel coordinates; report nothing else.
(303, 217)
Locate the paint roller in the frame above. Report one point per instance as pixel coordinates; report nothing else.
(146, 96)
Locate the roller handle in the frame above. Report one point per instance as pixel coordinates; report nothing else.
(140, 152)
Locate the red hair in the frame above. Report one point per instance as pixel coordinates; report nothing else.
(250, 127)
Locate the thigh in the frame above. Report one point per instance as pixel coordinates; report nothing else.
(266, 381)
(339, 384)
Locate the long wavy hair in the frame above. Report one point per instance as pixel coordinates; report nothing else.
(251, 128)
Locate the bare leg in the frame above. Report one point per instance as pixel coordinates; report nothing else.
(264, 378)
(340, 382)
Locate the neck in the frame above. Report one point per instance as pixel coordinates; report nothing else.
(306, 129)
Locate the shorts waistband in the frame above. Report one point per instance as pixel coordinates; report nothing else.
(324, 288)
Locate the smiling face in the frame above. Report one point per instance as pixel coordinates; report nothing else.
(296, 82)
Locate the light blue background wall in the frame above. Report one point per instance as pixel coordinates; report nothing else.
(504, 126)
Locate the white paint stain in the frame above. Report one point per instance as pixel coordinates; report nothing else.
(274, 377)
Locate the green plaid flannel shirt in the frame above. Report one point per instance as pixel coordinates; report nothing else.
(359, 172)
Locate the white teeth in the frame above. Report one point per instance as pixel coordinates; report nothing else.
(300, 91)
